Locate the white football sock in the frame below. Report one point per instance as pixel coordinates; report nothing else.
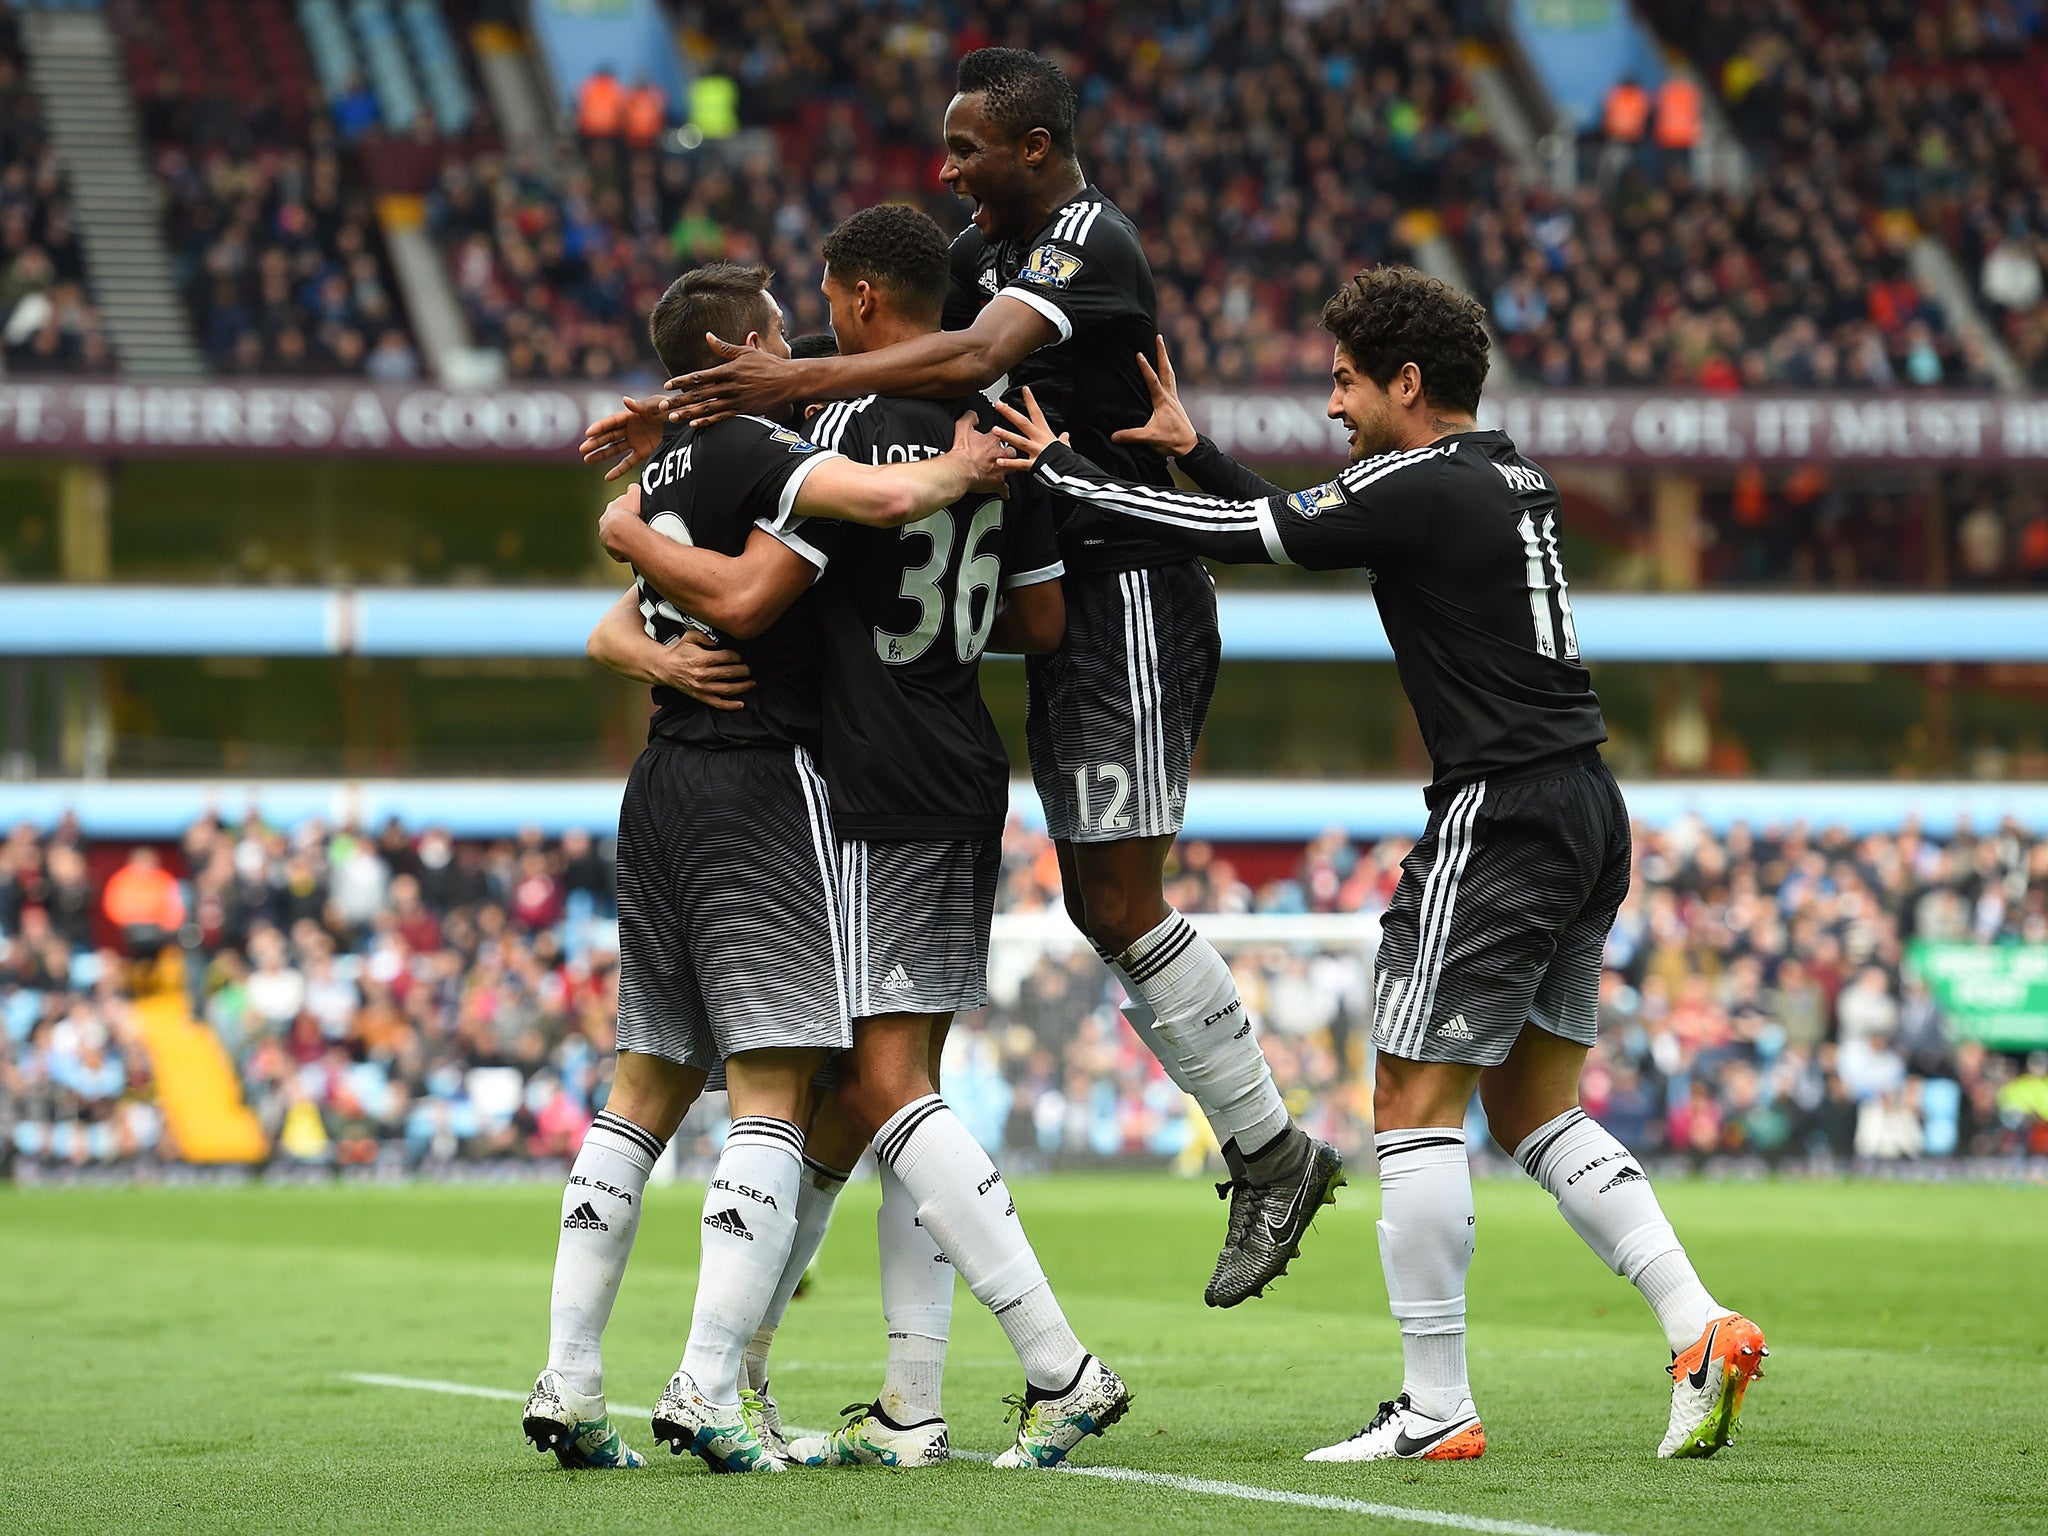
(917, 1305)
(817, 1191)
(1145, 1023)
(600, 1215)
(1426, 1234)
(749, 1225)
(966, 1207)
(1207, 1032)
(1605, 1195)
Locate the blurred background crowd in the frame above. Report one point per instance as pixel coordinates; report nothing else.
(404, 999)
(1266, 151)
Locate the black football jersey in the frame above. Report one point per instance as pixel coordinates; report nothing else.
(712, 487)
(1461, 541)
(1086, 272)
(910, 750)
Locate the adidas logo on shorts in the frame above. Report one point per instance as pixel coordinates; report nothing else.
(584, 1219)
(729, 1222)
(1455, 1028)
(898, 980)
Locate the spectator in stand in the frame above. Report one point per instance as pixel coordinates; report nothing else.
(47, 321)
(601, 104)
(144, 903)
(644, 116)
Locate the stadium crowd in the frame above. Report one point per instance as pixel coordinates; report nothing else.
(1898, 107)
(1266, 152)
(276, 248)
(47, 320)
(411, 1000)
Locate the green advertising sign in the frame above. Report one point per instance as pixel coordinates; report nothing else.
(1996, 993)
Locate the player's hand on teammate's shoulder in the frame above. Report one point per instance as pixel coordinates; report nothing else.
(987, 453)
(629, 436)
(697, 665)
(612, 524)
(749, 381)
(1028, 432)
(1170, 430)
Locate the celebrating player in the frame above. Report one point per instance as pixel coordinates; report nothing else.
(1050, 288)
(1504, 906)
(728, 910)
(919, 787)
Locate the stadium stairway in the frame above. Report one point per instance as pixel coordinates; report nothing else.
(196, 1085)
(75, 68)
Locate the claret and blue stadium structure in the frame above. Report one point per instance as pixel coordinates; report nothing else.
(307, 787)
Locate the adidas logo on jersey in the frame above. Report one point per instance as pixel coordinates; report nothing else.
(729, 1222)
(1455, 1028)
(584, 1219)
(898, 980)
(1628, 1175)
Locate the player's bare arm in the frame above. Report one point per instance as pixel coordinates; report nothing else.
(694, 665)
(1031, 622)
(738, 596)
(890, 495)
(939, 365)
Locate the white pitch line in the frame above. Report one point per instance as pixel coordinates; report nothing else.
(1213, 1487)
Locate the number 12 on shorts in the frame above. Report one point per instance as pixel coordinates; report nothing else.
(1115, 779)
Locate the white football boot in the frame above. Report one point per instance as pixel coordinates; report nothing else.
(1049, 1425)
(1708, 1383)
(870, 1438)
(759, 1409)
(575, 1427)
(685, 1420)
(1399, 1433)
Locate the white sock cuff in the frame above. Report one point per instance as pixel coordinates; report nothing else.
(1425, 1146)
(827, 1181)
(1535, 1154)
(618, 1134)
(767, 1132)
(1156, 952)
(897, 1130)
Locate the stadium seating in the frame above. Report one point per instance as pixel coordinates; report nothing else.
(277, 248)
(1931, 116)
(47, 320)
(416, 999)
(1237, 141)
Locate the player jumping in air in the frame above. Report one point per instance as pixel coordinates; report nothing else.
(1488, 974)
(730, 946)
(1050, 288)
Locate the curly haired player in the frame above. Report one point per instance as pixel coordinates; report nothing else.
(1489, 966)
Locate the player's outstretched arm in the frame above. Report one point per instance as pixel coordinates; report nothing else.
(694, 664)
(1236, 532)
(739, 596)
(890, 495)
(942, 365)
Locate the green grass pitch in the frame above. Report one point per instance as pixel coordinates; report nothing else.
(175, 1359)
